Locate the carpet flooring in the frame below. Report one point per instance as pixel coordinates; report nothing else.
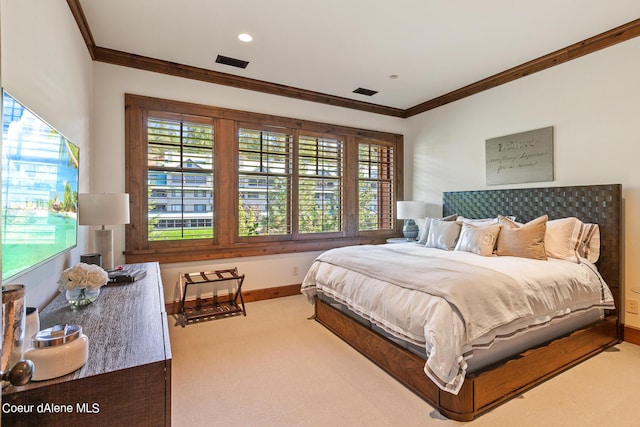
(276, 367)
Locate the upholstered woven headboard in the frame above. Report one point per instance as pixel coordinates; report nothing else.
(600, 204)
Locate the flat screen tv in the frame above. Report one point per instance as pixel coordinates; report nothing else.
(39, 190)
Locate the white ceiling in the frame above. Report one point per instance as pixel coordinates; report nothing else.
(336, 46)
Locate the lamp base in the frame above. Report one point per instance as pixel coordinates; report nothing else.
(410, 229)
(103, 244)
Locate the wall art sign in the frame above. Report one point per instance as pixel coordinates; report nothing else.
(521, 157)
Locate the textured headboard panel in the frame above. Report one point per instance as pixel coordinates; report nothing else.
(601, 204)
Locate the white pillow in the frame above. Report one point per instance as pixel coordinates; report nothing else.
(479, 222)
(479, 240)
(443, 234)
(562, 239)
(424, 232)
(590, 242)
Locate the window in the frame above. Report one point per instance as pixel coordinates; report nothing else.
(180, 161)
(375, 186)
(220, 183)
(320, 162)
(264, 177)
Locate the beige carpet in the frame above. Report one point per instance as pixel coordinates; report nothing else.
(277, 368)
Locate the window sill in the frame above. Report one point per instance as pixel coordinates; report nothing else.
(199, 253)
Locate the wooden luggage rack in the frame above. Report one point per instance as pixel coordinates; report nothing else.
(218, 307)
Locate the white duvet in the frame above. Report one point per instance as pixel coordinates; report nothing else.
(451, 302)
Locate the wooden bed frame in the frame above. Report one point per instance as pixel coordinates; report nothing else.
(492, 386)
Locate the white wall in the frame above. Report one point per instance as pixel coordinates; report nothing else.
(112, 82)
(592, 103)
(45, 65)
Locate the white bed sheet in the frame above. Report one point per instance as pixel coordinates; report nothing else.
(553, 289)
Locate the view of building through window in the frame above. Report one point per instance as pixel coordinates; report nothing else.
(180, 182)
(264, 182)
(320, 165)
(180, 179)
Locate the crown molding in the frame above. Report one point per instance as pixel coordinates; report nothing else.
(132, 60)
(576, 50)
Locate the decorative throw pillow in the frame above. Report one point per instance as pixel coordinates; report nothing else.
(479, 240)
(522, 240)
(424, 233)
(443, 234)
(563, 238)
(590, 242)
(509, 220)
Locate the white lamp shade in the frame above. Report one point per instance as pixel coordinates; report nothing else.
(103, 208)
(411, 209)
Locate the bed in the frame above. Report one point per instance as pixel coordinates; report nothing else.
(430, 333)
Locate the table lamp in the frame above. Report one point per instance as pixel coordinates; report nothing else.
(409, 211)
(103, 209)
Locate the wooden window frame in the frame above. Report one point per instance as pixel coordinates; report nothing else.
(226, 242)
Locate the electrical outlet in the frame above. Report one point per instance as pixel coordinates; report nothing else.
(295, 271)
(632, 306)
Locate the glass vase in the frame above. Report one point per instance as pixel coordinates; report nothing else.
(81, 297)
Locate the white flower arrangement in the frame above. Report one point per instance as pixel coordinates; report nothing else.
(82, 276)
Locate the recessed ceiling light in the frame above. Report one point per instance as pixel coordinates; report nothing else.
(245, 37)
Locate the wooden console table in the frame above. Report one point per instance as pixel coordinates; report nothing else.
(127, 378)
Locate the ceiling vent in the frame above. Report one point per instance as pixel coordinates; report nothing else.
(239, 63)
(367, 92)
